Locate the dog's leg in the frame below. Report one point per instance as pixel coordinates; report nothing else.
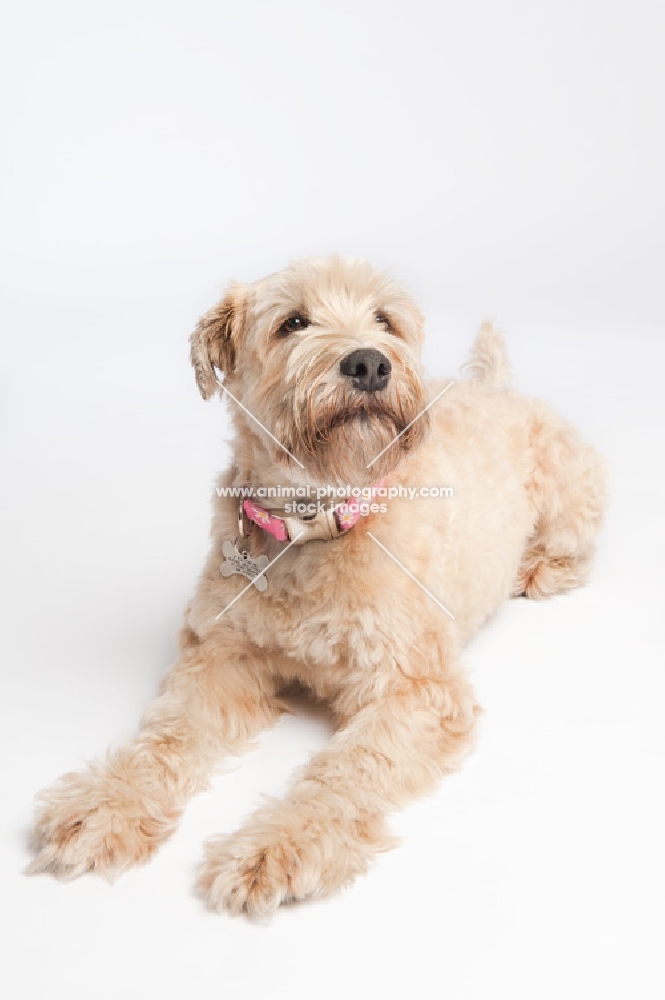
(116, 812)
(332, 823)
(568, 490)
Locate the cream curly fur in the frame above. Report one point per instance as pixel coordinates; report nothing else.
(341, 617)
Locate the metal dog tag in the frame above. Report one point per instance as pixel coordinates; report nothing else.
(241, 563)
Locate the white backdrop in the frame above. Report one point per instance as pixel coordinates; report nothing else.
(502, 158)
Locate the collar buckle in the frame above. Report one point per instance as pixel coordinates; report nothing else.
(322, 527)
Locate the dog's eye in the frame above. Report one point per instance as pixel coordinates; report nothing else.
(294, 324)
(380, 317)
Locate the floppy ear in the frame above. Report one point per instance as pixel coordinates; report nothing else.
(213, 343)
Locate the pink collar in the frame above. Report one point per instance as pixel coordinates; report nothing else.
(325, 525)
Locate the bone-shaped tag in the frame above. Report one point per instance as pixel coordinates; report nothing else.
(241, 563)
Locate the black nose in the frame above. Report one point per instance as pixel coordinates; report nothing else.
(369, 369)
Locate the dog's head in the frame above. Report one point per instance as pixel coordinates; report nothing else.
(325, 354)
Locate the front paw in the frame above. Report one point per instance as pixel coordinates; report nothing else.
(96, 820)
(284, 855)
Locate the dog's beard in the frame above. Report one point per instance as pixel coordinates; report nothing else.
(340, 432)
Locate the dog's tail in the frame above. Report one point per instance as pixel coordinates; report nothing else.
(488, 362)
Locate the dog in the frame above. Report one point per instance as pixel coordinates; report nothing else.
(368, 605)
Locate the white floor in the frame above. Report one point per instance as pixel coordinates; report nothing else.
(537, 871)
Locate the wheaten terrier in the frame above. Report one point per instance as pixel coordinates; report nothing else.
(366, 603)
